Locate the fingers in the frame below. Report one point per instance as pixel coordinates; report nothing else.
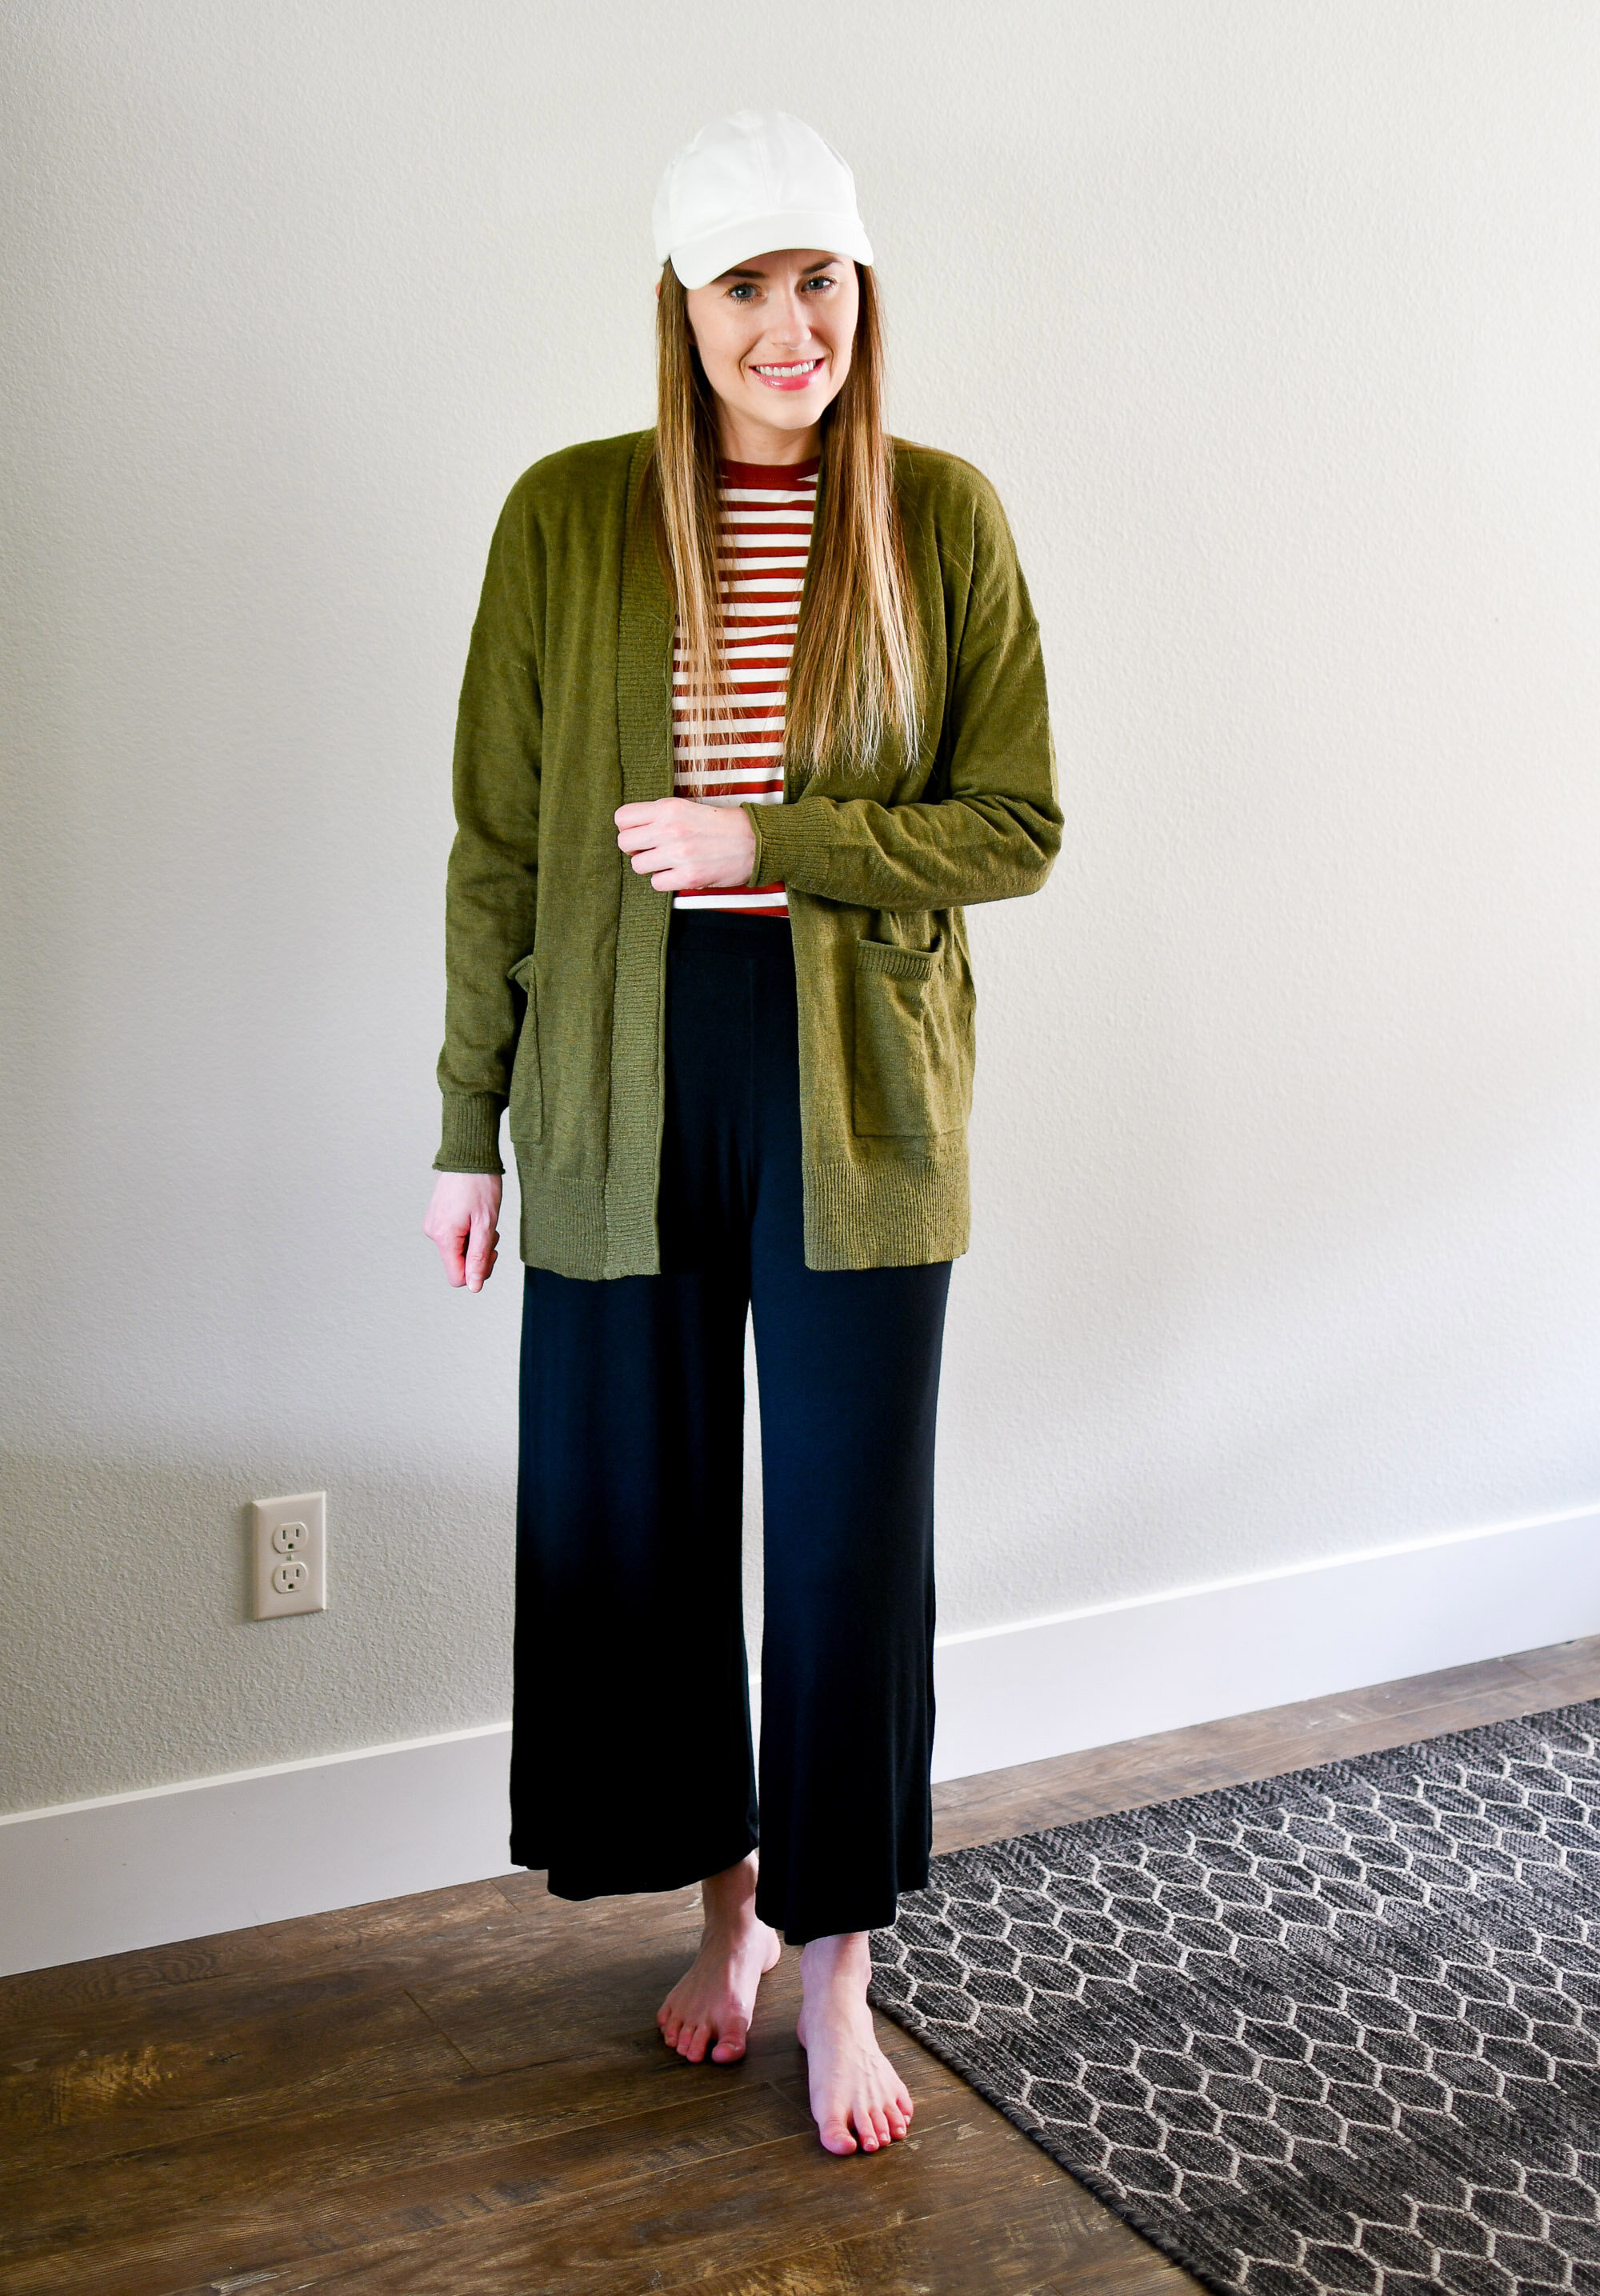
(654, 836)
(639, 840)
(450, 1234)
(480, 1254)
(647, 823)
(451, 1243)
(669, 879)
(666, 871)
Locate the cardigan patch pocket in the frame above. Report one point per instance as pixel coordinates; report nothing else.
(527, 1108)
(913, 1072)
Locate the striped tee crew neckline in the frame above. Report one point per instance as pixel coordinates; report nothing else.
(764, 540)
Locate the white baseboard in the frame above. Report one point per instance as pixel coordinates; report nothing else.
(210, 1854)
(1121, 1670)
(265, 1845)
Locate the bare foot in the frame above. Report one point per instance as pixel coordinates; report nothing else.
(711, 2007)
(857, 2095)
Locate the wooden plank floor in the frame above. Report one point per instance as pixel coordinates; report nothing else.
(463, 2094)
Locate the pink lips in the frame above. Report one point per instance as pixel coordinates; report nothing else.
(797, 381)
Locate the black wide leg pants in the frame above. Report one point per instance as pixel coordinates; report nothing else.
(631, 1757)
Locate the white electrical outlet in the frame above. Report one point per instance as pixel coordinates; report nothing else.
(290, 1542)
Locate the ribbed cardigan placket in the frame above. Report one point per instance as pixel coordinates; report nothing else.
(644, 745)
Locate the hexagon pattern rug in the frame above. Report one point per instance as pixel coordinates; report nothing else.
(1337, 2032)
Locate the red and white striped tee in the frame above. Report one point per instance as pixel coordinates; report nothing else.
(765, 538)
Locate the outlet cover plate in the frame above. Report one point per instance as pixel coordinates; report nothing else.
(311, 1508)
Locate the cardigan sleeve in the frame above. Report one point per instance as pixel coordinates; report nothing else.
(492, 885)
(997, 828)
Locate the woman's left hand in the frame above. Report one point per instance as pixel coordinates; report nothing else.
(685, 847)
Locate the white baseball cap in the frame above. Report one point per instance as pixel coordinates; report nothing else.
(748, 183)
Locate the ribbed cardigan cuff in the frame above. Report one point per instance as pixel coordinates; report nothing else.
(787, 836)
(472, 1133)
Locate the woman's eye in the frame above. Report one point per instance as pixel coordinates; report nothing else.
(737, 294)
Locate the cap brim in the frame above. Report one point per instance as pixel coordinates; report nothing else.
(701, 260)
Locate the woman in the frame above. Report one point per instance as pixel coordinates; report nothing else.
(705, 943)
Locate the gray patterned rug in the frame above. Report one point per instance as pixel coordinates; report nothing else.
(1337, 2032)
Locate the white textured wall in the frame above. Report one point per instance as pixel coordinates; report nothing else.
(1275, 323)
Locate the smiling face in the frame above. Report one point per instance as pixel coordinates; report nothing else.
(773, 336)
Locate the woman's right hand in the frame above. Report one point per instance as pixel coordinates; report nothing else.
(461, 1220)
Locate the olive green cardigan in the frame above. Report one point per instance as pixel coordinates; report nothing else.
(556, 947)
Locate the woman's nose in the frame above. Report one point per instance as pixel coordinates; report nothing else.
(789, 322)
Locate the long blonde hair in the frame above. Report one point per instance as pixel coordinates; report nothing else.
(854, 676)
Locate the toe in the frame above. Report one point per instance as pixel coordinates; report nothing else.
(835, 2135)
(693, 2044)
(728, 2046)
